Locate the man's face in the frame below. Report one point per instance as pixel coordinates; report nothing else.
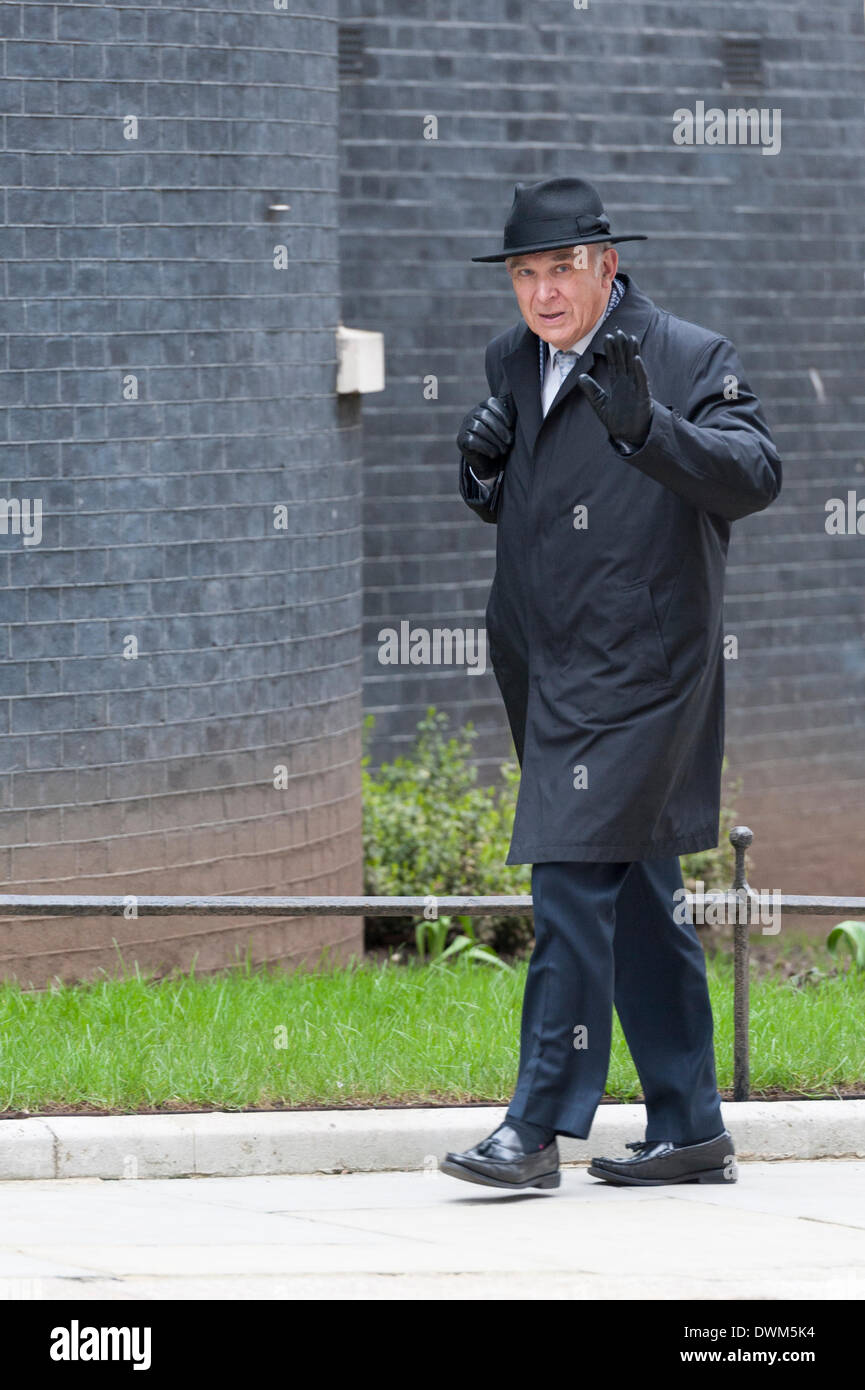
(561, 294)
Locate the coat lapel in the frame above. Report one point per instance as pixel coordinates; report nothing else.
(520, 366)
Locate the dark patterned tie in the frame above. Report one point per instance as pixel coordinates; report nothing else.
(563, 361)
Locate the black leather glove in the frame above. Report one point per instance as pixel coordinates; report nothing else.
(626, 410)
(487, 434)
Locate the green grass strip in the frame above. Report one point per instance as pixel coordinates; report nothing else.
(363, 1035)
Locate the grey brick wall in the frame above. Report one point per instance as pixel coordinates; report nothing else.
(153, 258)
(768, 250)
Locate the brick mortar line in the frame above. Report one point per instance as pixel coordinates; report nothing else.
(77, 732)
(125, 764)
(180, 613)
(225, 436)
(106, 876)
(197, 865)
(54, 623)
(327, 736)
(232, 685)
(293, 950)
(167, 794)
(193, 936)
(197, 581)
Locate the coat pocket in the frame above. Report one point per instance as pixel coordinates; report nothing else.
(619, 661)
(639, 602)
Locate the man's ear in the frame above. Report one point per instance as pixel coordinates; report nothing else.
(610, 263)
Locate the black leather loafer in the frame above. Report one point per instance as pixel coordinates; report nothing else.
(659, 1162)
(500, 1160)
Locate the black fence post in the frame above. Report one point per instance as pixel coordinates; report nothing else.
(740, 838)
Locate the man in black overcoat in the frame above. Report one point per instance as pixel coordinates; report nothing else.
(617, 446)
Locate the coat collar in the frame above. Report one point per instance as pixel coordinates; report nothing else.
(632, 314)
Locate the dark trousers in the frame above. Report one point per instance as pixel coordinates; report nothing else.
(605, 934)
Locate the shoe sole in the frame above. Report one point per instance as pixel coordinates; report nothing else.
(715, 1175)
(459, 1170)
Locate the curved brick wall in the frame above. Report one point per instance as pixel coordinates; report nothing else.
(153, 258)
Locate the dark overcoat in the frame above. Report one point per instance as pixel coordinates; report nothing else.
(605, 617)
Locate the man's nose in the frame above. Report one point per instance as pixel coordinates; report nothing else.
(547, 290)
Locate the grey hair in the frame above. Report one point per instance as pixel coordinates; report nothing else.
(599, 247)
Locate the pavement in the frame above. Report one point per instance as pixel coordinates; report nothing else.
(785, 1230)
(350, 1204)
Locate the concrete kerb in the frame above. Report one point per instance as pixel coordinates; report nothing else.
(239, 1144)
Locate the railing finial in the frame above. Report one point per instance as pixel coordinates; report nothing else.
(740, 838)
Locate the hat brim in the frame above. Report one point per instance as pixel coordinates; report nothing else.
(555, 245)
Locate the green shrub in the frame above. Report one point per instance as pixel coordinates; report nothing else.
(428, 828)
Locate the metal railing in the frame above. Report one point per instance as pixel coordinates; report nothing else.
(746, 905)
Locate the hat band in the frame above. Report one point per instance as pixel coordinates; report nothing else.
(550, 228)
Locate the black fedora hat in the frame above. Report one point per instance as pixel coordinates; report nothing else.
(553, 213)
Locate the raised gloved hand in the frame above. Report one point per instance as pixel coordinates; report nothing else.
(486, 435)
(626, 409)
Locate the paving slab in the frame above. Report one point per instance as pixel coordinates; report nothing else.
(785, 1230)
